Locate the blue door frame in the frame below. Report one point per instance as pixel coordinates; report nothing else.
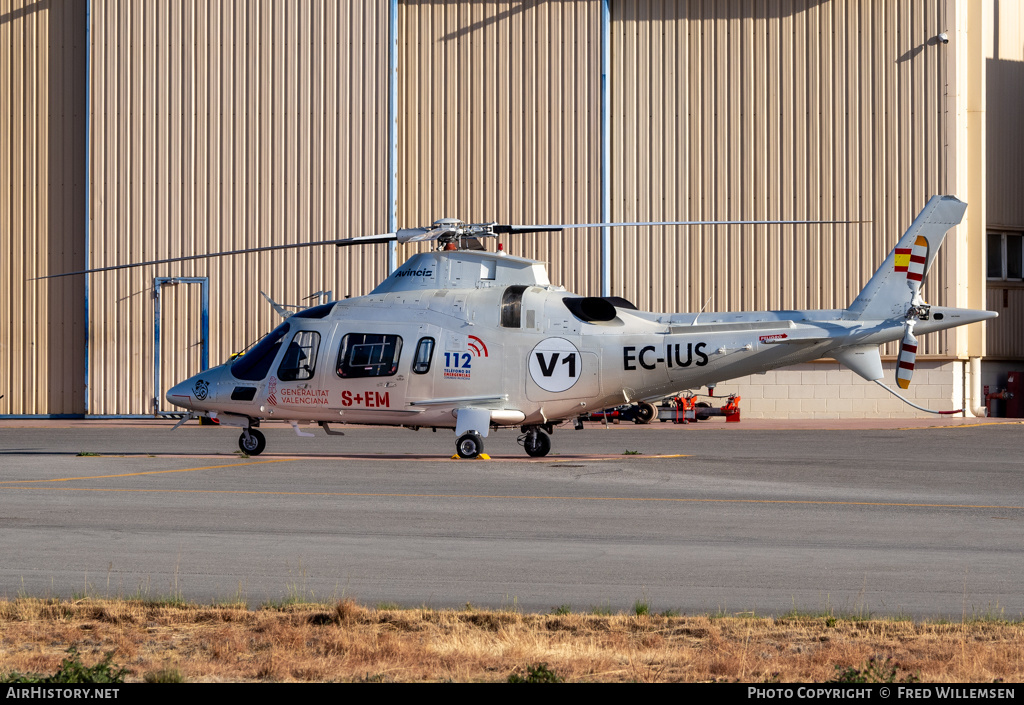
(204, 350)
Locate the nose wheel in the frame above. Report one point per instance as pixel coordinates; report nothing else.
(252, 442)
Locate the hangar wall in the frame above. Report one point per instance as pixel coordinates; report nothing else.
(218, 126)
(820, 110)
(806, 110)
(1004, 76)
(42, 206)
(803, 110)
(499, 117)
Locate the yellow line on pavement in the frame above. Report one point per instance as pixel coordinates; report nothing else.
(961, 425)
(148, 472)
(6, 483)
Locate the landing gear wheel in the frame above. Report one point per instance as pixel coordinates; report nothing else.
(469, 445)
(645, 412)
(537, 444)
(252, 442)
(701, 416)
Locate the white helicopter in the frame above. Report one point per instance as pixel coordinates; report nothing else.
(474, 340)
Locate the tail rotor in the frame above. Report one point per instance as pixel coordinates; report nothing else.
(907, 356)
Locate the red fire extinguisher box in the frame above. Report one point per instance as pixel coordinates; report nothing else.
(1015, 386)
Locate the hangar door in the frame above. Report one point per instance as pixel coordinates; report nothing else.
(181, 331)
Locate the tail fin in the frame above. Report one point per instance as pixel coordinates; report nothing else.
(897, 283)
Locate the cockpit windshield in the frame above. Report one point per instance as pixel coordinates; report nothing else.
(255, 364)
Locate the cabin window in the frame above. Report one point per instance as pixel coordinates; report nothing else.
(255, 364)
(300, 357)
(424, 352)
(369, 355)
(512, 306)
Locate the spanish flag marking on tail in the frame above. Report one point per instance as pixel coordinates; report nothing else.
(902, 259)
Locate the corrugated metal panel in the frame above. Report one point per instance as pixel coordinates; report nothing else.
(1004, 74)
(42, 168)
(793, 110)
(1005, 335)
(499, 108)
(220, 126)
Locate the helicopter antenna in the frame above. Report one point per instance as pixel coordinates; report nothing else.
(702, 310)
(281, 309)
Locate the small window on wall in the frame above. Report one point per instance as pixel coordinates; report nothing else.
(369, 355)
(1005, 256)
(300, 357)
(424, 351)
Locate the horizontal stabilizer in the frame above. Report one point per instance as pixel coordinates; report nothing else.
(865, 360)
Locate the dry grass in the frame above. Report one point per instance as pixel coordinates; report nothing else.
(350, 642)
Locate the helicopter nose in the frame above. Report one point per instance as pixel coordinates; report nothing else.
(189, 393)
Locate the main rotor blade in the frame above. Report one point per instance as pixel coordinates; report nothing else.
(385, 237)
(418, 234)
(423, 234)
(362, 240)
(501, 229)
